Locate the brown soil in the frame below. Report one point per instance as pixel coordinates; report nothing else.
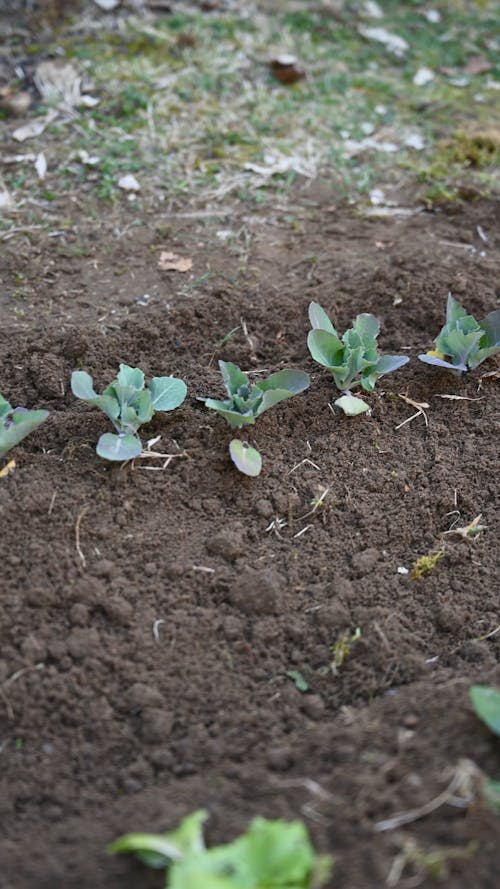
(119, 730)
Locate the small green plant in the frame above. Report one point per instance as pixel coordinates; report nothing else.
(269, 855)
(128, 403)
(341, 649)
(463, 342)
(425, 564)
(247, 401)
(16, 424)
(353, 360)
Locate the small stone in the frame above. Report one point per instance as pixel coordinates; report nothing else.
(227, 544)
(140, 695)
(257, 592)
(410, 720)
(105, 568)
(83, 642)
(233, 628)
(313, 706)
(280, 759)
(150, 569)
(365, 561)
(79, 615)
(264, 508)
(449, 619)
(156, 725)
(119, 610)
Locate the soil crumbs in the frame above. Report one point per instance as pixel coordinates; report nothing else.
(150, 619)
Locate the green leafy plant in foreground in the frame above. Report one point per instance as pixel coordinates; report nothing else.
(486, 703)
(16, 424)
(353, 360)
(246, 401)
(463, 342)
(269, 855)
(128, 403)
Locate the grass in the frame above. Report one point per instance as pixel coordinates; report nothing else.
(186, 101)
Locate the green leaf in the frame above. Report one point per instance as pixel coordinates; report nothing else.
(491, 330)
(297, 677)
(387, 363)
(82, 387)
(223, 408)
(160, 850)
(319, 319)
(118, 447)
(20, 424)
(458, 345)
(144, 406)
(5, 408)
(325, 348)
(131, 377)
(167, 393)
(272, 397)
(486, 703)
(294, 381)
(351, 405)
(367, 326)
(454, 311)
(232, 377)
(245, 458)
(270, 855)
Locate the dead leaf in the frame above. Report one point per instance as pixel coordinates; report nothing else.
(470, 530)
(170, 262)
(34, 128)
(287, 69)
(41, 166)
(477, 65)
(9, 467)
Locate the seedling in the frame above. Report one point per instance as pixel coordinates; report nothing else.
(16, 424)
(425, 564)
(464, 343)
(354, 360)
(247, 401)
(341, 649)
(128, 403)
(269, 855)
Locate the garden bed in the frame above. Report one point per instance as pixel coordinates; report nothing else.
(149, 618)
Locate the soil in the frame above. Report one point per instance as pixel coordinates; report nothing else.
(149, 618)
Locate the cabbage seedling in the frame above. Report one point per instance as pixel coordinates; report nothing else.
(464, 343)
(128, 403)
(269, 855)
(247, 401)
(16, 424)
(353, 360)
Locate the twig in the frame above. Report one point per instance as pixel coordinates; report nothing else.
(79, 518)
(420, 411)
(305, 460)
(8, 682)
(461, 781)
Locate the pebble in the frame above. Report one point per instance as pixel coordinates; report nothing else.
(227, 544)
(365, 561)
(156, 725)
(280, 759)
(313, 706)
(257, 592)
